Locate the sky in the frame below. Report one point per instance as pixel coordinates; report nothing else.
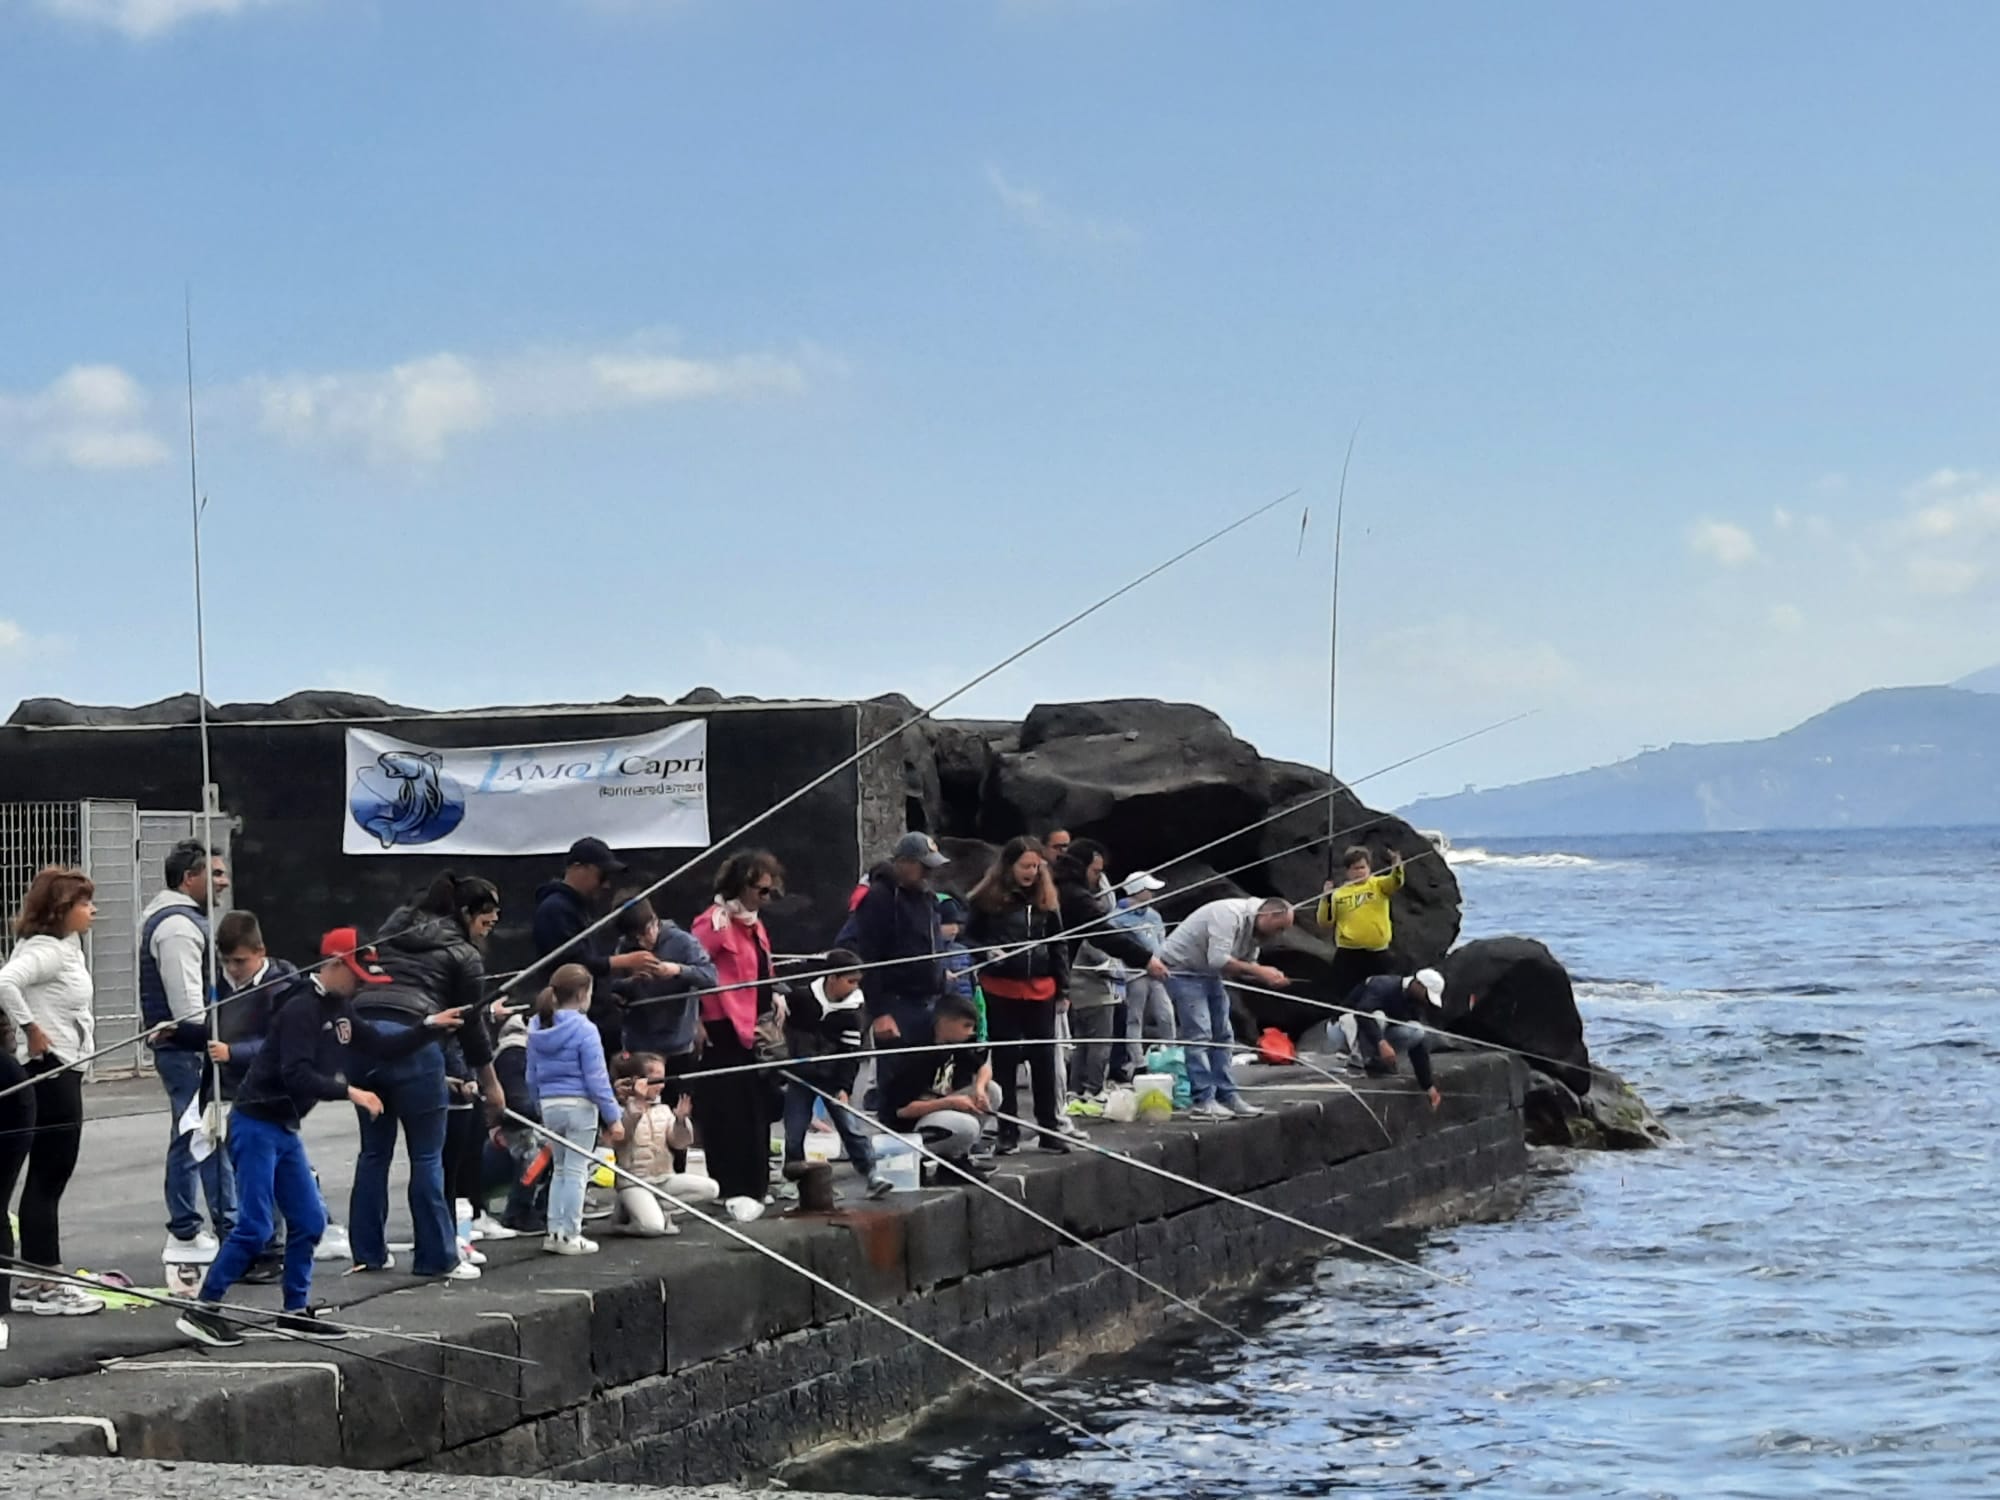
(560, 349)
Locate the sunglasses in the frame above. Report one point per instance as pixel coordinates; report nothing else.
(763, 892)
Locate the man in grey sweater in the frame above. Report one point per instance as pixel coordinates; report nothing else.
(1220, 941)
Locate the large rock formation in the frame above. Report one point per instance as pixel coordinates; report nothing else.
(1513, 991)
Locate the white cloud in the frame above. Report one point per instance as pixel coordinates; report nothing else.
(412, 411)
(1945, 577)
(143, 19)
(89, 417)
(13, 639)
(1781, 518)
(1052, 223)
(1723, 542)
(1787, 619)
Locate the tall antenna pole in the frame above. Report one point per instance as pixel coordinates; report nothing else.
(1333, 651)
(195, 506)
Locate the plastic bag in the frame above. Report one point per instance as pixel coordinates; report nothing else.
(1173, 1060)
(1122, 1106)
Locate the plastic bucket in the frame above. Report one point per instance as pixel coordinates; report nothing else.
(1154, 1083)
(820, 1146)
(896, 1158)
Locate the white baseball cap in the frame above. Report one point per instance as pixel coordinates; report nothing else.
(1433, 982)
(1142, 882)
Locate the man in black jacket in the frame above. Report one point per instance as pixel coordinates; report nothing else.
(1087, 903)
(894, 928)
(1393, 1014)
(566, 908)
(303, 1061)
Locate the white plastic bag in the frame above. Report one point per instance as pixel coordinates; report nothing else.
(1121, 1105)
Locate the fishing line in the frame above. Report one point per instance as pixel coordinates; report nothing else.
(1146, 1166)
(26, 1272)
(547, 960)
(722, 1223)
(1078, 1240)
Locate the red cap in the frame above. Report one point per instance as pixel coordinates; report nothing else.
(344, 943)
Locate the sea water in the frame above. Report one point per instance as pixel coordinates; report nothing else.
(1800, 1297)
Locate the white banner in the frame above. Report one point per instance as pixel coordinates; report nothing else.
(648, 791)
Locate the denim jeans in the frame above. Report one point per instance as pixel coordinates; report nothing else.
(181, 1072)
(799, 1102)
(1201, 1011)
(413, 1096)
(575, 1120)
(275, 1178)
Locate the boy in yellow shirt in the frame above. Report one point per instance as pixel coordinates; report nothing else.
(1358, 913)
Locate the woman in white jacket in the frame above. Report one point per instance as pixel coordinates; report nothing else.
(45, 989)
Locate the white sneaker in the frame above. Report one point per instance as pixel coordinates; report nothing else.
(569, 1244)
(486, 1227)
(465, 1270)
(3, 1335)
(198, 1251)
(1242, 1109)
(53, 1299)
(357, 1269)
(1210, 1111)
(469, 1256)
(333, 1244)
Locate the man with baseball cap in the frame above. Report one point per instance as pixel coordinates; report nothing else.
(305, 1059)
(1393, 1014)
(566, 907)
(895, 925)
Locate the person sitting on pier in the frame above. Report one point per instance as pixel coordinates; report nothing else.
(1220, 941)
(945, 1096)
(303, 1061)
(1393, 1014)
(657, 1136)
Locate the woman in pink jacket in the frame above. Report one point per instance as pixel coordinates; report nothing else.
(732, 1112)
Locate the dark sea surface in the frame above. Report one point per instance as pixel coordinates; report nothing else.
(1802, 1297)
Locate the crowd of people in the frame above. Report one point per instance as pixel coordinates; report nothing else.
(631, 1039)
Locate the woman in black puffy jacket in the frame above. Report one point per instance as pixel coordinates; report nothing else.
(431, 953)
(1025, 974)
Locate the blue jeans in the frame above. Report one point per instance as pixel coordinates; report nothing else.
(273, 1174)
(412, 1093)
(181, 1072)
(1201, 1012)
(799, 1102)
(575, 1120)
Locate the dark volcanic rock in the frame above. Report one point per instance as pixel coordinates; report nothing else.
(1524, 1001)
(1611, 1117)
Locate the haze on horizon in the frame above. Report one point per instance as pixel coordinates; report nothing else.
(605, 346)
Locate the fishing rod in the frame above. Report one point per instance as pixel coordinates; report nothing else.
(548, 959)
(1333, 635)
(1227, 1197)
(235, 1317)
(1185, 1304)
(1102, 921)
(722, 1223)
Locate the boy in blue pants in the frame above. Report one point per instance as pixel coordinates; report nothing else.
(302, 1062)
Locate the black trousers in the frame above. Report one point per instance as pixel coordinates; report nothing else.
(1090, 1029)
(1017, 1021)
(1353, 966)
(17, 1135)
(51, 1159)
(465, 1156)
(733, 1116)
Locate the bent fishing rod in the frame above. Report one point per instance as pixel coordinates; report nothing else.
(722, 1223)
(548, 960)
(1227, 1197)
(916, 1142)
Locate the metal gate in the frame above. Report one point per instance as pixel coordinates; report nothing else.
(124, 852)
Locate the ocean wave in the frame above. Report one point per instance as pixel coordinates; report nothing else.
(1477, 856)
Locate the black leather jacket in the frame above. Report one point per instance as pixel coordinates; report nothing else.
(1013, 926)
(432, 965)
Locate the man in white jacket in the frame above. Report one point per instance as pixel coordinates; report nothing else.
(174, 943)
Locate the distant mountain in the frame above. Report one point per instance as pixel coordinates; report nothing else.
(1892, 758)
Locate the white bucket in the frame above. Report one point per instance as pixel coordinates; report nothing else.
(896, 1158)
(1154, 1083)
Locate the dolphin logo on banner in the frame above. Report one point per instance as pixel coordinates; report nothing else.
(406, 798)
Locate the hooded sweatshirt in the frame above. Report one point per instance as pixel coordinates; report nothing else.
(566, 1061)
(896, 927)
(560, 914)
(818, 1027)
(174, 954)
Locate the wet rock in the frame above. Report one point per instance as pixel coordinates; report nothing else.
(1611, 1117)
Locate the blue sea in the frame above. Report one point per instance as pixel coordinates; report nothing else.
(1800, 1297)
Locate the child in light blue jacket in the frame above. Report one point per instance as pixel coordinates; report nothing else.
(572, 1086)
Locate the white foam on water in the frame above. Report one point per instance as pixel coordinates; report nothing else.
(1476, 856)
